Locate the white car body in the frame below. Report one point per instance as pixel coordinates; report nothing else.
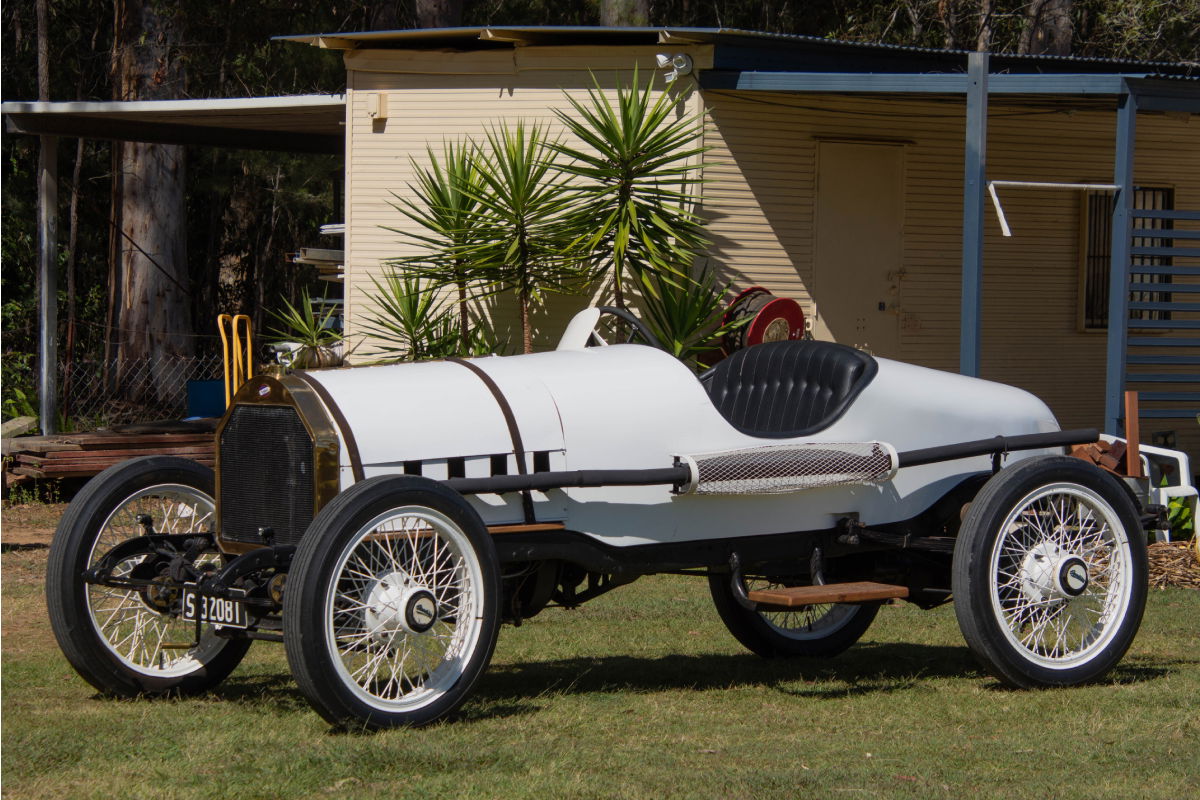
(635, 407)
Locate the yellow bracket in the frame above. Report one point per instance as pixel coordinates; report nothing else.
(239, 362)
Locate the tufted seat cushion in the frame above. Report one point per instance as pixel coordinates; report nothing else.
(784, 389)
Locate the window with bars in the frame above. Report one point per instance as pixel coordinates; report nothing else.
(1097, 255)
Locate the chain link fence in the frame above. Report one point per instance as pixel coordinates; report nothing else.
(99, 393)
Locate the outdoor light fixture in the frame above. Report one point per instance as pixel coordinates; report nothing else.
(679, 64)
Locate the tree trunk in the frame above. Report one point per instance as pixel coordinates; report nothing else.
(439, 13)
(634, 13)
(526, 333)
(154, 314)
(72, 261)
(464, 318)
(983, 41)
(235, 257)
(1049, 28)
(43, 50)
(947, 14)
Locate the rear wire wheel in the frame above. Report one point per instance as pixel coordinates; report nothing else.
(392, 607)
(816, 631)
(1050, 573)
(125, 641)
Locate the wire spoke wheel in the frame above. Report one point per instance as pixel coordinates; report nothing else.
(1062, 571)
(130, 640)
(391, 612)
(805, 623)
(1050, 573)
(818, 631)
(403, 608)
(138, 625)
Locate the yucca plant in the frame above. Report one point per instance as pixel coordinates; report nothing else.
(637, 168)
(314, 332)
(443, 203)
(685, 314)
(524, 239)
(412, 323)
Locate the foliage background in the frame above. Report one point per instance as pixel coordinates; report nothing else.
(247, 209)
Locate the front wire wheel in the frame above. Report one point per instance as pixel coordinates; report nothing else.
(1050, 573)
(130, 641)
(816, 631)
(392, 610)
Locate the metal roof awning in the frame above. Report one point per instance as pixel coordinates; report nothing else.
(300, 123)
(738, 50)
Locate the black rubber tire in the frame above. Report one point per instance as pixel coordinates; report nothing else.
(979, 595)
(67, 594)
(307, 606)
(769, 641)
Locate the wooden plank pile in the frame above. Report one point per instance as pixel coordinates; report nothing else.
(81, 455)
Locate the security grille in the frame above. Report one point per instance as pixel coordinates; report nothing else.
(1098, 257)
(266, 478)
(790, 468)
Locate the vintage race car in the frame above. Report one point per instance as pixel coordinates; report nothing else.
(383, 521)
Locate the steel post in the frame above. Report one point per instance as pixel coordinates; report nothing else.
(974, 184)
(48, 283)
(1118, 275)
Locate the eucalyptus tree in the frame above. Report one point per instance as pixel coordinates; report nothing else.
(525, 238)
(444, 204)
(637, 166)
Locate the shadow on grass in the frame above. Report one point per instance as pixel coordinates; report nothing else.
(866, 669)
(512, 690)
(17, 547)
(1131, 671)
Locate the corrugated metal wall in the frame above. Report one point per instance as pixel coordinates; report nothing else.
(761, 201)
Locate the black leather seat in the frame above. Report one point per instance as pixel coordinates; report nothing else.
(783, 389)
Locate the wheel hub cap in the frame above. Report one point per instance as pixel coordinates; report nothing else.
(1051, 573)
(1073, 577)
(396, 605)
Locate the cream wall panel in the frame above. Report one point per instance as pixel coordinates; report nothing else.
(424, 111)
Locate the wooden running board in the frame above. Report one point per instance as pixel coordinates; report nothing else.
(861, 592)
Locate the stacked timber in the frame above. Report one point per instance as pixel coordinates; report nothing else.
(81, 455)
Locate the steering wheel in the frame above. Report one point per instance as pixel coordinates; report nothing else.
(638, 327)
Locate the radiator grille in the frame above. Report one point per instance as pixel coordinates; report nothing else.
(266, 474)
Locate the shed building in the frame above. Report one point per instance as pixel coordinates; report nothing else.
(851, 177)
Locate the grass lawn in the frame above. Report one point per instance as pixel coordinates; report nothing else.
(641, 693)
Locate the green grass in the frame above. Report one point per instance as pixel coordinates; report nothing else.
(640, 694)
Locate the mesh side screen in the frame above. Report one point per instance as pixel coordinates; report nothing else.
(266, 474)
(789, 468)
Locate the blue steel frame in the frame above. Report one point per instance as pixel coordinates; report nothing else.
(1118, 273)
(974, 185)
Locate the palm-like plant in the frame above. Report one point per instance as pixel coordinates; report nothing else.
(314, 332)
(412, 323)
(523, 240)
(685, 314)
(637, 168)
(443, 203)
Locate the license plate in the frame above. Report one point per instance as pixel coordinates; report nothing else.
(226, 612)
